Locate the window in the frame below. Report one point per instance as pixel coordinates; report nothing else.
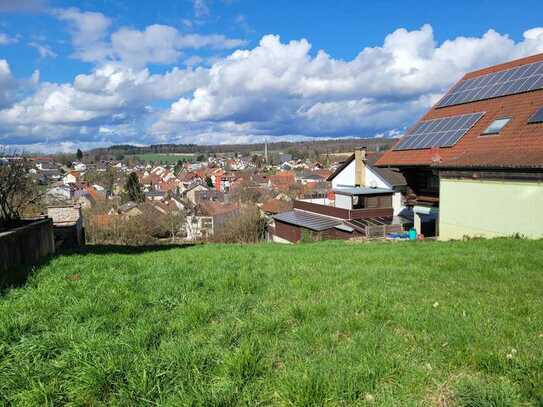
(537, 117)
(496, 126)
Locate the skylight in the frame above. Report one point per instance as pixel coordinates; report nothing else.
(496, 126)
(537, 117)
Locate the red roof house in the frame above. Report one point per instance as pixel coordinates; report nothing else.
(474, 161)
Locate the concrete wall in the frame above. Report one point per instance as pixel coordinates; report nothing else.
(22, 247)
(490, 208)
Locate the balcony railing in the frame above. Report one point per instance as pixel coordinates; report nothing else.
(343, 213)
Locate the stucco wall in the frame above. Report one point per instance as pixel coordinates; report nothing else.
(345, 177)
(490, 208)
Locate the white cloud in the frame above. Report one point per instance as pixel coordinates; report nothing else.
(88, 30)
(201, 9)
(280, 88)
(6, 39)
(276, 89)
(156, 44)
(43, 50)
(162, 44)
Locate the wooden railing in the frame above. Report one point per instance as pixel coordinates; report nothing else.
(343, 213)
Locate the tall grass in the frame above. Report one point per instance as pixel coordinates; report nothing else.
(329, 323)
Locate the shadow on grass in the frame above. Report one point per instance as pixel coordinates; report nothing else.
(107, 249)
(19, 276)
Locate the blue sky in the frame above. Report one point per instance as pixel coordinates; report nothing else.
(95, 73)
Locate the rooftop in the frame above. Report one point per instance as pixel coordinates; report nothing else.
(347, 190)
(518, 145)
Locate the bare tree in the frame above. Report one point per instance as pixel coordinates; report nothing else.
(17, 189)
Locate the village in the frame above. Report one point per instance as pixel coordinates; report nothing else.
(478, 147)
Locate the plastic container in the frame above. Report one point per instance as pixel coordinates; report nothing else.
(412, 234)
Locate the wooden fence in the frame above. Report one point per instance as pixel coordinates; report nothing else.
(23, 247)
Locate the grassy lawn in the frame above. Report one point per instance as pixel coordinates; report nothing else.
(445, 324)
(165, 158)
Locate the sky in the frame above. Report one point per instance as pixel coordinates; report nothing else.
(86, 74)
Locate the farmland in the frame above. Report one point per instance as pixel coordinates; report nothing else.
(331, 323)
(165, 158)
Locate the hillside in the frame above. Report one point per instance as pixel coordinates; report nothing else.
(329, 323)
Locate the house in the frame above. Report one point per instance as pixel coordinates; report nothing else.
(473, 163)
(309, 178)
(275, 206)
(190, 193)
(354, 212)
(282, 180)
(128, 209)
(80, 167)
(72, 177)
(357, 170)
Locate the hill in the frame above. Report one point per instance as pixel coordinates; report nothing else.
(300, 147)
(332, 323)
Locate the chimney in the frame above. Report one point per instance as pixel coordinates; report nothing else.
(360, 167)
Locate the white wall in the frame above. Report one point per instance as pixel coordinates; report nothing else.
(343, 201)
(345, 177)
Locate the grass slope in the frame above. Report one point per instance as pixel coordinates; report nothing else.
(328, 323)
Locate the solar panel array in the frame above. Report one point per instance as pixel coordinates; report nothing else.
(517, 80)
(443, 132)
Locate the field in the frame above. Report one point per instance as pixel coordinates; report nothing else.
(165, 158)
(332, 323)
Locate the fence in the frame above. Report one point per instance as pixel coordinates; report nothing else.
(23, 247)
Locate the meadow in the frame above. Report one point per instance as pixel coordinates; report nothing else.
(317, 324)
(165, 158)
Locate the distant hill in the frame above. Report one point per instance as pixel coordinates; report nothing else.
(317, 146)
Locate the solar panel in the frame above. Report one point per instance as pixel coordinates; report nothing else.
(524, 78)
(443, 132)
(537, 117)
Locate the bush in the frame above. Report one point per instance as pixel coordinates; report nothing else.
(248, 227)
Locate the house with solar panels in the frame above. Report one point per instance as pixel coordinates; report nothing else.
(474, 162)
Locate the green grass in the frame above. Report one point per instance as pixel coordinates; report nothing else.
(165, 158)
(446, 324)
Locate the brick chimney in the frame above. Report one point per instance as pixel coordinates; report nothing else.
(360, 167)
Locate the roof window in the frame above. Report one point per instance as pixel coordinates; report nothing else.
(537, 117)
(496, 126)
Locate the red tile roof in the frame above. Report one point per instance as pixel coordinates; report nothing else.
(274, 206)
(518, 145)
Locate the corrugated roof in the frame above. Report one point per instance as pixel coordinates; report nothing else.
(518, 146)
(361, 190)
(307, 220)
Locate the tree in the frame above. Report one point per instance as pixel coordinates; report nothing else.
(133, 188)
(79, 154)
(209, 182)
(17, 189)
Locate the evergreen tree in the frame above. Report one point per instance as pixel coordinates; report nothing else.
(79, 154)
(133, 188)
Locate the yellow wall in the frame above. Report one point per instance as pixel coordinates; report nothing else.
(490, 208)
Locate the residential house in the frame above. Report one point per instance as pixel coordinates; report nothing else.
(72, 177)
(190, 193)
(354, 212)
(474, 162)
(358, 170)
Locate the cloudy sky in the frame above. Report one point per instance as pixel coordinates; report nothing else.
(95, 73)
